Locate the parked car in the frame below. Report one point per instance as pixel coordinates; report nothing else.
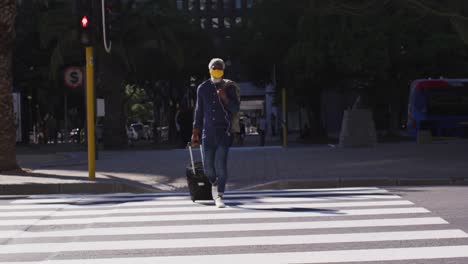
(148, 132)
(132, 134)
(138, 128)
(75, 135)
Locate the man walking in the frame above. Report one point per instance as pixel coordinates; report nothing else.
(216, 121)
(262, 130)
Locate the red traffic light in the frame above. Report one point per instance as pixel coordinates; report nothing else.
(84, 22)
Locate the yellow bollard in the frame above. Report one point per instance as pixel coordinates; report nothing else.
(90, 113)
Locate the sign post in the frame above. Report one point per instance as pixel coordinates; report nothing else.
(90, 113)
(73, 78)
(284, 122)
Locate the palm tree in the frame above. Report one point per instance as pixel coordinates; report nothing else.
(7, 131)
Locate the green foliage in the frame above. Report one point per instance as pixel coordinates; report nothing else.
(324, 44)
(137, 106)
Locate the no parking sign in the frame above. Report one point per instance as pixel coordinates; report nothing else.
(73, 77)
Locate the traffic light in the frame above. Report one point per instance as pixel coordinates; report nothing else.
(87, 23)
(86, 35)
(84, 22)
(98, 20)
(113, 11)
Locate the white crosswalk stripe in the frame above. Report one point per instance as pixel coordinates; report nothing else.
(339, 225)
(203, 209)
(118, 198)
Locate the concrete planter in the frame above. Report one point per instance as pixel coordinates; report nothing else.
(358, 129)
(424, 137)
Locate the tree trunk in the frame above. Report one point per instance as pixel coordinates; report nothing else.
(114, 121)
(7, 131)
(171, 122)
(156, 120)
(316, 108)
(112, 74)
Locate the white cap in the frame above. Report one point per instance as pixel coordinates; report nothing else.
(216, 61)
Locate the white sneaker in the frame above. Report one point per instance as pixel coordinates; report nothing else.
(219, 201)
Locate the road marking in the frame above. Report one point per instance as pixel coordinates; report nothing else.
(208, 216)
(132, 202)
(115, 231)
(228, 195)
(230, 241)
(314, 257)
(274, 208)
(166, 194)
(204, 208)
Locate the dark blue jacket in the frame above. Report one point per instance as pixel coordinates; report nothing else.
(211, 115)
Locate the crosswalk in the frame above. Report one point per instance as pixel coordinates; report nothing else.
(339, 225)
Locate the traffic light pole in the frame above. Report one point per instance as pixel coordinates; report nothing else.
(284, 123)
(90, 113)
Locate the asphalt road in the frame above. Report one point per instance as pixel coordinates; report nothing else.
(450, 203)
(346, 225)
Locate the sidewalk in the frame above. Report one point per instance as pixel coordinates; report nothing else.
(270, 167)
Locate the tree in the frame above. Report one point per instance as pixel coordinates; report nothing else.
(154, 55)
(266, 36)
(146, 50)
(164, 50)
(419, 39)
(379, 46)
(7, 131)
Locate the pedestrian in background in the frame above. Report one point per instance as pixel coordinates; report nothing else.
(262, 130)
(241, 132)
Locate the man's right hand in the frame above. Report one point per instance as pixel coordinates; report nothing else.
(195, 137)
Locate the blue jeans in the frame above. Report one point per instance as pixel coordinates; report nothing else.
(216, 154)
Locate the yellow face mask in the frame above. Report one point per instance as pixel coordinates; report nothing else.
(217, 74)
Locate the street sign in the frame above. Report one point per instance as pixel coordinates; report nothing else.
(73, 77)
(100, 107)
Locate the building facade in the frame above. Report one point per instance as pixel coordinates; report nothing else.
(221, 18)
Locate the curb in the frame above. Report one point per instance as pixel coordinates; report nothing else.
(69, 188)
(129, 187)
(389, 182)
(56, 165)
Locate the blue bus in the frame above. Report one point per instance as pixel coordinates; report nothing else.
(439, 105)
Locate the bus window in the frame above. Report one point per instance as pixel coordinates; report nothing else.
(448, 101)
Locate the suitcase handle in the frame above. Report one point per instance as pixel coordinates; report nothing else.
(189, 145)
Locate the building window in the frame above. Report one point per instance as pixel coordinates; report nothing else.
(238, 4)
(238, 21)
(191, 5)
(203, 23)
(227, 22)
(202, 5)
(180, 4)
(249, 23)
(215, 22)
(249, 3)
(214, 4)
(227, 4)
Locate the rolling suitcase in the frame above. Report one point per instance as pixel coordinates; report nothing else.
(198, 184)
